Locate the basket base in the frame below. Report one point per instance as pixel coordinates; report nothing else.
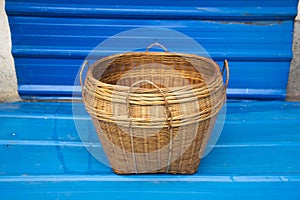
(188, 171)
(188, 151)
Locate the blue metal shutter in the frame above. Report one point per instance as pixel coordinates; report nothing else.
(51, 38)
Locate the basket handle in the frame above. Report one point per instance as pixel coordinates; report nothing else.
(168, 115)
(161, 92)
(225, 66)
(156, 44)
(83, 66)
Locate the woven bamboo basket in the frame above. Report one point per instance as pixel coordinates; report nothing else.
(154, 111)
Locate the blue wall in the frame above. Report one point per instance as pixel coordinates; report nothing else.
(51, 38)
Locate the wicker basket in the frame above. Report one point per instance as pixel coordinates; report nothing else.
(154, 111)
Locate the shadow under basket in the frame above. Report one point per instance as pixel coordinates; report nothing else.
(154, 111)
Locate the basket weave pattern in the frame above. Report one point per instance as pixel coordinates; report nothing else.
(183, 93)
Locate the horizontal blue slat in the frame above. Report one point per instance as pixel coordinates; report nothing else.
(259, 55)
(64, 90)
(229, 3)
(137, 12)
(223, 39)
(243, 76)
(96, 187)
(242, 73)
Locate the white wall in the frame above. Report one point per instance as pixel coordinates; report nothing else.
(293, 90)
(8, 80)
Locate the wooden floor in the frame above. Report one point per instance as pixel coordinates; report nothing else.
(257, 156)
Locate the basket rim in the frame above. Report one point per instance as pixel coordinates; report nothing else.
(122, 87)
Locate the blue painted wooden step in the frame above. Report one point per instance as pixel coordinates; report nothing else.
(257, 156)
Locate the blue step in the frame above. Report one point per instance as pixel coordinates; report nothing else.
(256, 156)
